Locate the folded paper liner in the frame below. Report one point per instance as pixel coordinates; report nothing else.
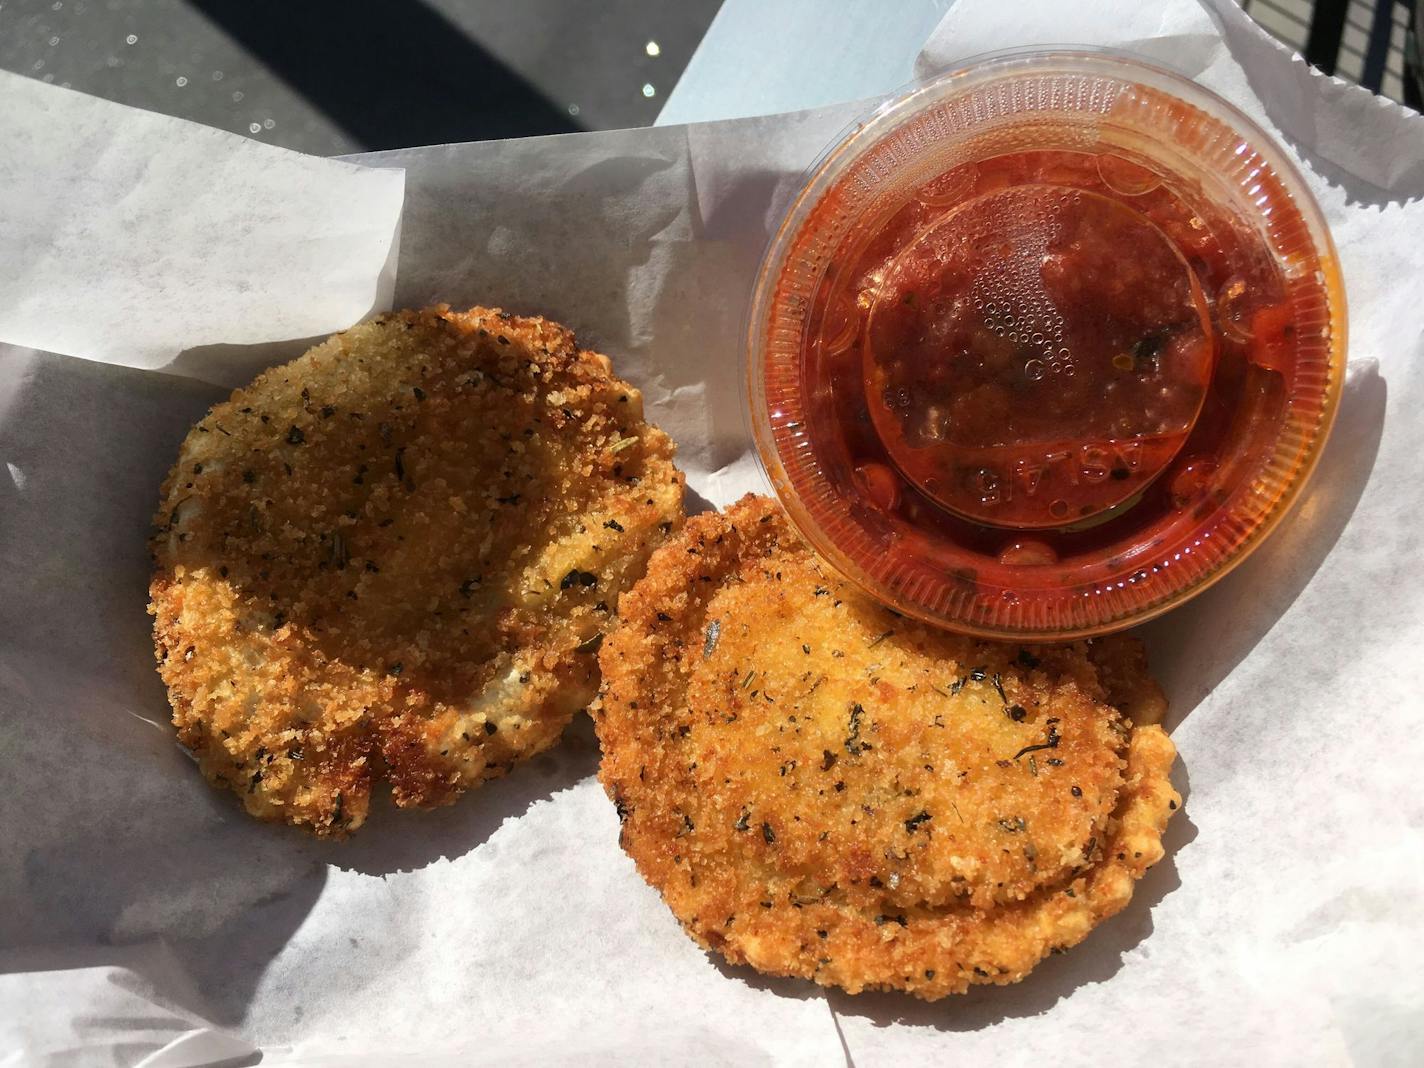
(148, 921)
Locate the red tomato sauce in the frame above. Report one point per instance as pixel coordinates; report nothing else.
(1045, 367)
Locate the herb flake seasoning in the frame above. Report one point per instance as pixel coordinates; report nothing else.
(853, 745)
(912, 824)
(714, 634)
(578, 578)
(1051, 743)
(340, 556)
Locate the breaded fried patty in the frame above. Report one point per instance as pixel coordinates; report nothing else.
(394, 558)
(821, 788)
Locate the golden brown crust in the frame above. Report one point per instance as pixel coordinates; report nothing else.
(821, 788)
(1122, 669)
(394, 557)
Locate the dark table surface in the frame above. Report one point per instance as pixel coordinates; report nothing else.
(335, 76)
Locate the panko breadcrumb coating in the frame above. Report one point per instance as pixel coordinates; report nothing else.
(821, 788)
(394, 557)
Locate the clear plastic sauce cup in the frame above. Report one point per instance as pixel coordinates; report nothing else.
(1046, 345)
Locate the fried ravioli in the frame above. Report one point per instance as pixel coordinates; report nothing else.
(819, 787)
(394, 558)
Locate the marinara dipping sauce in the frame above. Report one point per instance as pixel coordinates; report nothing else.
(1046, 345)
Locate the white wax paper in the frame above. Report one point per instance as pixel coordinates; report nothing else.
(131, 237)
(144, 913)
